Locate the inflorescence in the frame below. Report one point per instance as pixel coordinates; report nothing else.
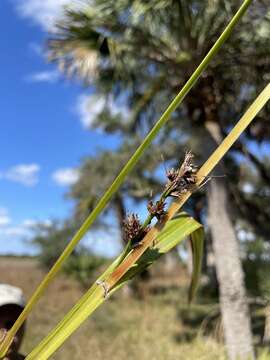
(179, 182)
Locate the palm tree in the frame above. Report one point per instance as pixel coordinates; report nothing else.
(146, 52)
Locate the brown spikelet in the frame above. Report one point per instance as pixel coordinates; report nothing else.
(132, 226)
(183, 179)
(156, 209)
(172, 174)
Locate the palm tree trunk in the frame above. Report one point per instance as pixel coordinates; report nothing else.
(234, 308)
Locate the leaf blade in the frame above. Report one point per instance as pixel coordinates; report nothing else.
(197, 241)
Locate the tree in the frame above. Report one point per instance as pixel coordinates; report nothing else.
(146, 51)
(50, 239)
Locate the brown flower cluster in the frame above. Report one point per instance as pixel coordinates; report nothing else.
(132, 226)
(183, 179)
(156, 209)
(133, 229)
(179, 182)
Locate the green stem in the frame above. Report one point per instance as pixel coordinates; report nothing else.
(121, 177)
(150, 216)
(147, 221)
(125, 252)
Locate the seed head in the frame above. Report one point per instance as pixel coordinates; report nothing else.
(182, 180)
(132, 226)
(157, 209)
(187, 167)
(172, 174)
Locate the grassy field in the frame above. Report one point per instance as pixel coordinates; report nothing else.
(123, 328)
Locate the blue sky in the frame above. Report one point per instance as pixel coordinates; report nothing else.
(43, 124)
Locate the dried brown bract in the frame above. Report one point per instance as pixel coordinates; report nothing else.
(187, 166)
(183, 179)
(172, 174)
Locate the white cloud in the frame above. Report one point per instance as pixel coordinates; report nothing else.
(14, 237)
(22, 229)
(43, 12)
(245, 235)
(248, 188)
(43, 76)
(15, 231)
(9, 229)
(88, 108)
(66, 176)
(4, 218)
(31, 223)
(26, 174)
(18, 231)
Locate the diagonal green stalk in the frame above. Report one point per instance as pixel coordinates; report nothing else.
(121, 177)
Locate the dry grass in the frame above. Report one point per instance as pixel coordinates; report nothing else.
(123, 328)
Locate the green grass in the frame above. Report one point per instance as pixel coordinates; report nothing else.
(159, 327)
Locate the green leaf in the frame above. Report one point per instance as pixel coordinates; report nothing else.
(197, 240)
(181, 226)
(175, 231)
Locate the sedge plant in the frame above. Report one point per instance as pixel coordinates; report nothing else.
(131, 255)
(146, 245)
